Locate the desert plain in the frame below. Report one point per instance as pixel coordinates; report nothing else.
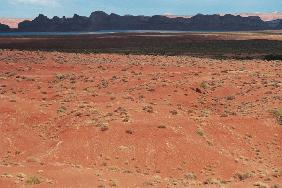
(71, 119)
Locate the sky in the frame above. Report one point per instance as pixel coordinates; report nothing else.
(31, 8)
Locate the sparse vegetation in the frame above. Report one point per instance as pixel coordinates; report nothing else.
(172, 46)
(231, 97)
(62, 109)
(7, 175)
(243, 176)
(204, 85)
(113, 183)
(200, 132)
(148, 109)
(273, 57)
(111, 124)
(33, 180)
(173, 112)
(278, 114)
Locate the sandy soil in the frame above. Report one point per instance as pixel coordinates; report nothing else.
(107, 120)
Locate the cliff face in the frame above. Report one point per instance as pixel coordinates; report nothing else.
(279, 24)
(43, 23)
(4, 28)
(11, 22)
(101, 21)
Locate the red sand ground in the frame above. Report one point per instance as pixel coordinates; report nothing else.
(78, 120)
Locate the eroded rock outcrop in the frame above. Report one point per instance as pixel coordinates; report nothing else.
(100, 20)
(4, 28)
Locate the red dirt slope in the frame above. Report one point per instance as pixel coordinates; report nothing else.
(86, 120)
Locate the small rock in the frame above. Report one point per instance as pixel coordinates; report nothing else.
(198, 90)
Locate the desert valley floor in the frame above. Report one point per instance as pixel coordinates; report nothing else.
(109, 120)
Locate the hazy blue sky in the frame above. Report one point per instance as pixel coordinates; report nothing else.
(31, 8)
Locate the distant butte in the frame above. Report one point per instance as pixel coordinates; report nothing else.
(264, 16)
(100, 20)
(12, 22)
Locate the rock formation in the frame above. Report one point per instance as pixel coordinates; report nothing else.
(99, 20)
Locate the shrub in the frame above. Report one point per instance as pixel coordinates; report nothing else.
(200, 132)
(33, 180)
(243, 176)
(204, 85)
(278, 114)
(148, 109)
(273, 57)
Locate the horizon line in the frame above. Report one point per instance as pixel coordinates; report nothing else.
(164, 14)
